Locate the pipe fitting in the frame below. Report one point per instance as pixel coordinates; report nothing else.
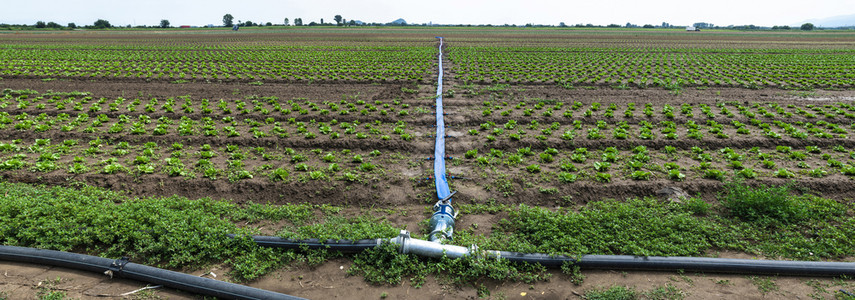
(442, 221)
(409, 245)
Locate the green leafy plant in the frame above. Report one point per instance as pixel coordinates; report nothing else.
(848, 170)
(714, 174)
(535, 168)
(784, 173)
(765, 202)
(602, 166)
(747, 173)
(675, 175)
(817, 173)
(113, 168)
(279, 174)
(367, 167)
(612, 292)
(574, 272)
(640, 175)
(546, 158)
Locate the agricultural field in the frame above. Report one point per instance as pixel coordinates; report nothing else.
(559, 140)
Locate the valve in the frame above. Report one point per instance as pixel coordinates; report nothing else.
(442, 220)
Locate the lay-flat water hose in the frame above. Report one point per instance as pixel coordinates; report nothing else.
(442, 221)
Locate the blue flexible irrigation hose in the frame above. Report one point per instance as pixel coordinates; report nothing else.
(442, 190)
(442, 221)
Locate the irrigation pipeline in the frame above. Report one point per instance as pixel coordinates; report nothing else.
(408, 245)
(125, 269)
(442, 221)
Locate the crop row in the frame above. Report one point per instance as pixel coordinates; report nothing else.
(554, 168)
(631, 110)
(644, 68)
(25, 100)
(229, 126)
(76, 102)
(654, 46)
(513, 130)
(663, 130)
(549, 169)
(411, 64)
(230, 161)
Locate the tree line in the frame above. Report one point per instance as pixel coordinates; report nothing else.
(229, 21)
(99, 24)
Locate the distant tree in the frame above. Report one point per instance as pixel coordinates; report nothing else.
(164, 23)
(807, 26)
(101, 23)
(228, 20)
(298, 22)
(247, 24)
(322, 21)
(313, 23)
(613, 26)
(40, 24)
(72, 25)
(53, 25)
(337, 20)
(352, 23)
(785, 27)
(562, 24)
(647, 26)
(286, 21)
(268, 24)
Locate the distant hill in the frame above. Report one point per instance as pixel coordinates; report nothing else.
(399, 22)
(836, 21)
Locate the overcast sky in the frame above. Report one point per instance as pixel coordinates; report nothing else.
(602, 12)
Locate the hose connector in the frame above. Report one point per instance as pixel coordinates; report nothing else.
(442, 221)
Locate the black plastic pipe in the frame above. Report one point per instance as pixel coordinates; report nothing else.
(612, 262)
(693, 264)
(123, 268)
